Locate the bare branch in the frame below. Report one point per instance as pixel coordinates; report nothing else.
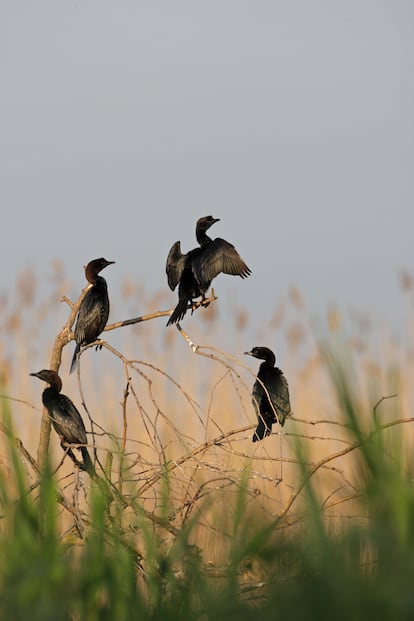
(61, 340)
(156, 314)
(380, 401)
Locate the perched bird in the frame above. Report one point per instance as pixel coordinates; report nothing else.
(65, 418)
(272, 407)
(94, 309)
(194, 271)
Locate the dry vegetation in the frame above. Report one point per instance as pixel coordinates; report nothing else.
(172, 427)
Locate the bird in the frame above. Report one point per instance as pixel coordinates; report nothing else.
(65, 417)
(93, 312)
(274, 405)
(194, 271)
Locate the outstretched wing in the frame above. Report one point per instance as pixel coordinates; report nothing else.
(175, 265)
(219, 256)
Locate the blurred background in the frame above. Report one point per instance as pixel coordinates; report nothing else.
(291, 121)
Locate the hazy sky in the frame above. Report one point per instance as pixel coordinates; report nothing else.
(123, 122)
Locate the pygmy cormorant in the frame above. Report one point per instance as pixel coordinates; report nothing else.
(194, 271)
(272, 407)
(65, 418)
(94, 309)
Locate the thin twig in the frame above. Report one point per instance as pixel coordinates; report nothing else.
(156, 314)
(178, 462)
(379, 403)
(334, 456)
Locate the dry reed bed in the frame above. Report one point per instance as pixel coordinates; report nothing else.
(182, 420)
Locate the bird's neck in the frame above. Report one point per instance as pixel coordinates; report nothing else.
(91, 274)
(269, 361)
(49, 393)
(203, 238)
(95, 279)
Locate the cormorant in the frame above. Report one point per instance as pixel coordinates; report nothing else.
(194, 271)
(94, 309)
(272, 407)
(65, 418)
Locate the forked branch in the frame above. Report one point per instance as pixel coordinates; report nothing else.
(66, 335)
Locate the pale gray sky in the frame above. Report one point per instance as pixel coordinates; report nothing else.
(123, 122)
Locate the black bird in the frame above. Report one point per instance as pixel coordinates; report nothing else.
(272, 407)
(94, 309)
(65, 418)
(194, 271)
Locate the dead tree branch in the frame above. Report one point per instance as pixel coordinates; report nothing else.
(156, 314)
(62, 339)
(66, 335)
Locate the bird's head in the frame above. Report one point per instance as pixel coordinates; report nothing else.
(205, 222)
(49, 376)
(262, 353)
(94, 267)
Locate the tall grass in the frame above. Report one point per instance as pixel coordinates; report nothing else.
(292, 567)
(191, 520)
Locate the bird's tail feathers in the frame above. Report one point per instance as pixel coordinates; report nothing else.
(87, 462)
(178, 312)
(74, 363)
(262, 430)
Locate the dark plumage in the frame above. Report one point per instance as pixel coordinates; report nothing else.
(278, 407)
(65, 418)
(94, 310)
(194, 271)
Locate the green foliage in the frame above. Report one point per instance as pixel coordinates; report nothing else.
(271, 569)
